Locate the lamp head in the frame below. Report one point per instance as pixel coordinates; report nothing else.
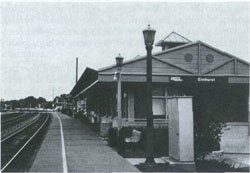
(149, 36)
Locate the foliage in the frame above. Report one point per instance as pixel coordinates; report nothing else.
(208, 125)
(124, 133)
(201, 166)
(26, 102)
(119, 141)
(112, 137)
(215, 166)
(48, 105)
(160, 139)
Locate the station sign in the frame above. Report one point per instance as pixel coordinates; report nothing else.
(181, 79)
(176, 79)
(205, 79)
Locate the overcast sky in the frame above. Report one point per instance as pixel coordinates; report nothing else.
(40, 41)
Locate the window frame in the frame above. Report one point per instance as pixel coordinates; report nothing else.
(164, 115)
(162, 97)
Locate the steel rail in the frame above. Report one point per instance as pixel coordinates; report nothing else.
(4, 119)
(7, 164)
(29, 124)
(15, 119)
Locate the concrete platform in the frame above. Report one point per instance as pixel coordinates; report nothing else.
(187, 166)
(85, 151)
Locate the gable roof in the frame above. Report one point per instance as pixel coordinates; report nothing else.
(198, 43)
(173, 37)
(138, 57)
(88, 77)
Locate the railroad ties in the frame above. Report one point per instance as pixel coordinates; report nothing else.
(21, 136)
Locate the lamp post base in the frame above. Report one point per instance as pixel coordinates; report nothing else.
(150, 161)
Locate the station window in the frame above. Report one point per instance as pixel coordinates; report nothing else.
(159, 106)
(159, 102)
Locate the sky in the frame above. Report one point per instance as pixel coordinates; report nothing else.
(40, 41)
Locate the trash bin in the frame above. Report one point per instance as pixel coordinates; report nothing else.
(104, 128)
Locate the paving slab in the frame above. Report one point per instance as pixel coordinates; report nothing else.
(88, 152)
(85, 150)
(49, 156)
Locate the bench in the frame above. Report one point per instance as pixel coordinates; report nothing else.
(134, 139)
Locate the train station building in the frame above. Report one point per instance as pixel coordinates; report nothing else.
(217, 82)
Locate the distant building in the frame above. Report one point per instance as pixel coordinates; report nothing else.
(2, 104)
(62, 102)
(183, 68)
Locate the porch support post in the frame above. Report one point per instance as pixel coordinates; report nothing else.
(119, 101)
(131, 105)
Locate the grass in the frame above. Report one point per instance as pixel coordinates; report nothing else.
(216, 166)
(204, 166)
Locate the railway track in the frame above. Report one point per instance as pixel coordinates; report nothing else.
(14, 145)
(10, 124)
(6, 117)
(19, 130)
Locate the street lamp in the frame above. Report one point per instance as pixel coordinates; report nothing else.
(119, 63)
(149, 35)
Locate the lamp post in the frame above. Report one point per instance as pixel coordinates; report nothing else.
(119, 63)
(149, 35)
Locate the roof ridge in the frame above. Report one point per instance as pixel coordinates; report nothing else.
(168, 35)
(182, 36)
(173, 32)
(173, 37)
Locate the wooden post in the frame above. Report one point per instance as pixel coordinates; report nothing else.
(119, 100)
(131, 102)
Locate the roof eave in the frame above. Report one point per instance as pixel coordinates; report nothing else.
(159, 43)
(86, 69)
(223, 52)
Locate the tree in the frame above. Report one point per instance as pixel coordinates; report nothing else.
(26, 102)
(209, 121)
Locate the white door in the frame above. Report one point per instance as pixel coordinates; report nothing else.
(173, 128)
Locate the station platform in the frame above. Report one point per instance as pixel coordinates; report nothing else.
(84, 150)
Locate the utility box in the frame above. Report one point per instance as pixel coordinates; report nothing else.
(181, 133)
